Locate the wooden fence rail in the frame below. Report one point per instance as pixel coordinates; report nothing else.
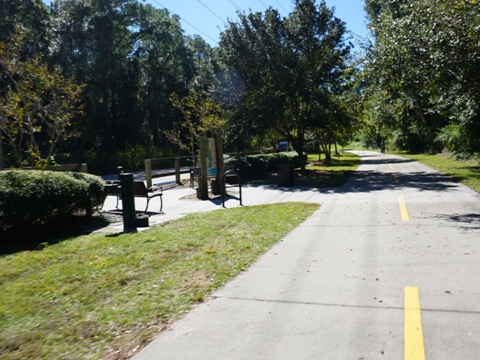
(175, 160)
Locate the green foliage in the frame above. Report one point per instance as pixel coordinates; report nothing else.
(131, 56)
(202, 115)
(451, 137)
(423, 70)
(305, 50)
(255, 166)
(38, 109)
(29, 197)
(132, 157)
(31, 16)
(241, 164)
(95, 187)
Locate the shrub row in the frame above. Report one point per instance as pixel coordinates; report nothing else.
(29, 197)
(255, 166)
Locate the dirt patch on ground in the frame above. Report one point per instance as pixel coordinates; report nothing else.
(311, 174)
(320, 163)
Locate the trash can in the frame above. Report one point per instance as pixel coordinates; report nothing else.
(142, 220)
(286, 175)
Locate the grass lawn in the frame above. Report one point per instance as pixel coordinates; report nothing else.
(465, 172)
(103, 296)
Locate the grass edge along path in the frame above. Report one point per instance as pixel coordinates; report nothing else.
(104, 296)
(466, 172)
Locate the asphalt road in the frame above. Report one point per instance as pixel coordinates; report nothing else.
(388, 268)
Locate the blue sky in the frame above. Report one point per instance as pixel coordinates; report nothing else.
(207, 18)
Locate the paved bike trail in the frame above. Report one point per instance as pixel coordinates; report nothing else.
(340, 285)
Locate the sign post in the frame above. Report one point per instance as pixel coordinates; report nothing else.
(202, 191)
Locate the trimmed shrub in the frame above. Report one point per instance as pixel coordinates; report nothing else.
(255, 166)
(29, 197)
(269, 162)
(96, 188)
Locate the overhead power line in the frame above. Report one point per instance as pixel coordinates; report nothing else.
(235, 6)
(263, 4)
(186, 22)
(282, 7)
(212, 12)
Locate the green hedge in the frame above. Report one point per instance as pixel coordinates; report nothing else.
(29, 197)
(255, 166)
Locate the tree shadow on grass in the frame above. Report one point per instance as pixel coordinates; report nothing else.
(473, 173)
(37, 237)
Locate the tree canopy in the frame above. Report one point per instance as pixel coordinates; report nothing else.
(425, 62)
(92, 80)
(292, 69)
(126, 56)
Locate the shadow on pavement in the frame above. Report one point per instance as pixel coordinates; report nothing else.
(368, 181)
(375, 159)
(468, 221)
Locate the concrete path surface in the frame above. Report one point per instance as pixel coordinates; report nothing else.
(388, 268)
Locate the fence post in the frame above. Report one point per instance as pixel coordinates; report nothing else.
(83, 168)
(177, 171)
(148, 172)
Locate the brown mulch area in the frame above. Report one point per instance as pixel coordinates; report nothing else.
(323, 162)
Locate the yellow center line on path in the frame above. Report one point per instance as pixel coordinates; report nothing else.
(413, 333)
(403, 208)
(394, 174)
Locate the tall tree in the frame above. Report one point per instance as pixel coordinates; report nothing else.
(24, 28)
(132, 56)
(291, 67)
(37, 110)
(92, 41)
(31, 18)
(426, 61)
(167, 63)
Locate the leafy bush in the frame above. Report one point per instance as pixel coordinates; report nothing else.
(96, 188)
(132, 157)
(454, 138)
(29, 197)
(255, 166)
